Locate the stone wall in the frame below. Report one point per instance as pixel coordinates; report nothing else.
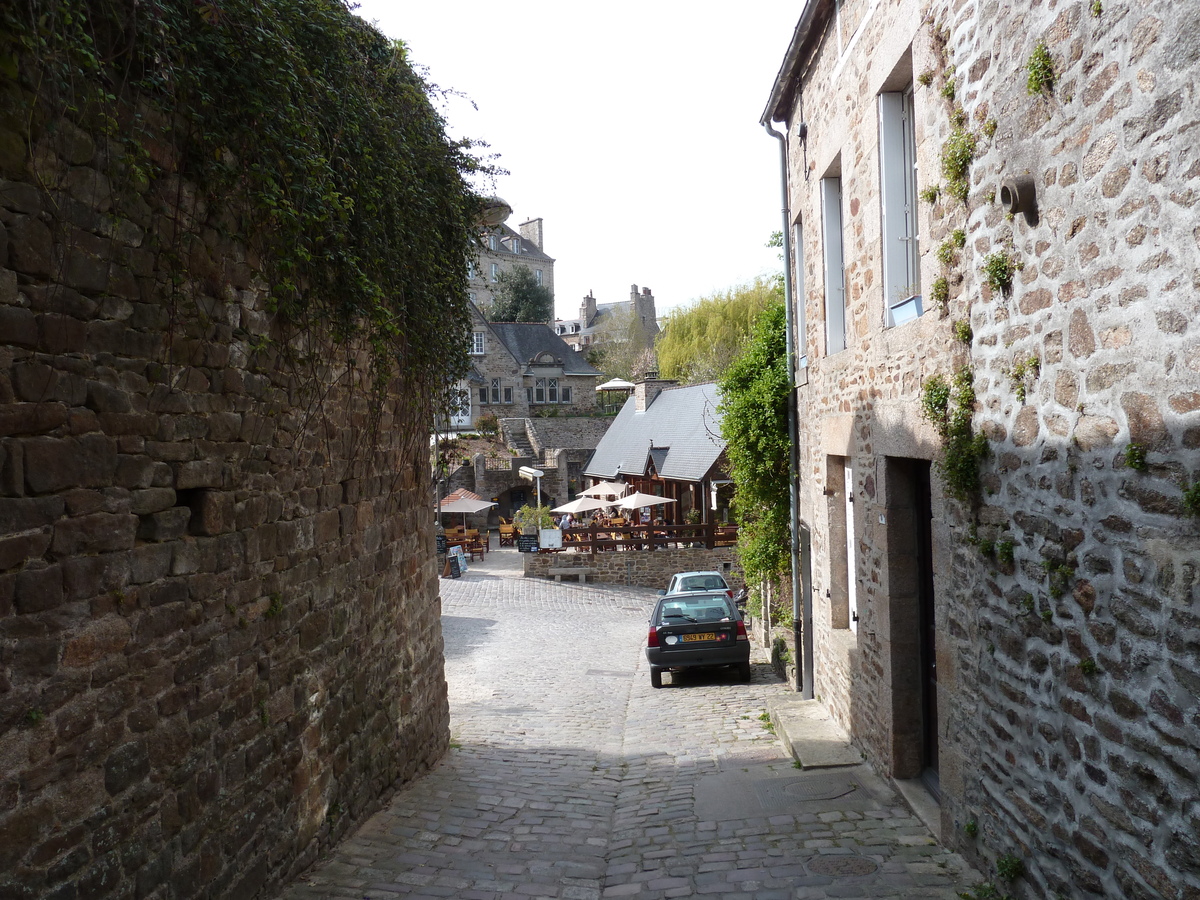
(220, 641)
(1067, 614)
(645, 568)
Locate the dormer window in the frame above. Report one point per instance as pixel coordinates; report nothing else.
(516, 245)
(493, 242)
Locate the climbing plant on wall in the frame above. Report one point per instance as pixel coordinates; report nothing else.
(304, 129)
(754, 399)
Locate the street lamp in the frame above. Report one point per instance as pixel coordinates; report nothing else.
(532, 473)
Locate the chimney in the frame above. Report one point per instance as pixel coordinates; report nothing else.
(532, 232)
(587, 310)
(648, 388)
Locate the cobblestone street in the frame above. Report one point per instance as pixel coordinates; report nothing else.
(570, 777)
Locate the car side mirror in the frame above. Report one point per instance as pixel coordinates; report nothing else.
(662, 593)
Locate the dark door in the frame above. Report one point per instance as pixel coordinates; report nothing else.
(923, 510)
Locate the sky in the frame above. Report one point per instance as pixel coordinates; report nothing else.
(631, 128)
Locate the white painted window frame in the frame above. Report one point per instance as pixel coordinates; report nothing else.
(898, 208)
(835, 271)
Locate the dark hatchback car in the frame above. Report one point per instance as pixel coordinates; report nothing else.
(696, 630)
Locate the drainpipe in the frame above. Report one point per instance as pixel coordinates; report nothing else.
(801, 606)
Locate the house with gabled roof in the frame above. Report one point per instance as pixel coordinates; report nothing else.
(667, 441)
(501, 249)
(521, 369)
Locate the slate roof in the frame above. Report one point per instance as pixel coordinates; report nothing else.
(569, 432)
(507, 235)
(525, 340)
(681, 431)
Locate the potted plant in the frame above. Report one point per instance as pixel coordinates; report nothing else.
(531, 519)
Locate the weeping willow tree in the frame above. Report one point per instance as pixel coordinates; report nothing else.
(700, 342)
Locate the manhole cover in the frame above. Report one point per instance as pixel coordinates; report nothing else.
(841, 865)
(775, 791)
(816, 790)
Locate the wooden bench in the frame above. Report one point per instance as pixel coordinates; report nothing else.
(559, 572)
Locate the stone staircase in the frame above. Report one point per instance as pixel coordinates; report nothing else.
(516, 437)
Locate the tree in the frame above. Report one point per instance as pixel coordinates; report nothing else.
(754, 423)
(698, 343)
(519, 298)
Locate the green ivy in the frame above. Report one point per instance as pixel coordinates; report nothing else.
(957, 154)
(999, 269)
(307, 131)
(939, 292)
(950, 406)
(1135, 457)
(1040, 70)
(1191, 499)
(754, 410)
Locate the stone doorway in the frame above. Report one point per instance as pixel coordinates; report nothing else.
(911, 651)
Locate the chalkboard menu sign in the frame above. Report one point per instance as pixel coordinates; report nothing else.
(527, 543)
(441, 543)
(452, 566)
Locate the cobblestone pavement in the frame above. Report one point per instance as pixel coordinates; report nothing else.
(570, 777)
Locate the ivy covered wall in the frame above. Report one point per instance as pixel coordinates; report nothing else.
(232, 258)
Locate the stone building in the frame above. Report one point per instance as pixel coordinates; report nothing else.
(521, 369)
(993, 218)
(501, 248)
(597, 319)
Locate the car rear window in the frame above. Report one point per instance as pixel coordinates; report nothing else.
(702, 583)
(699, 609)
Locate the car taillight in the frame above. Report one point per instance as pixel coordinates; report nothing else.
(729, 593)
(741, 627)
(652, 639)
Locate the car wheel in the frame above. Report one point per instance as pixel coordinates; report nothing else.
(744, 672)
(656, 678)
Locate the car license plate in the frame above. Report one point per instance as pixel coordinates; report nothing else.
(706, 636)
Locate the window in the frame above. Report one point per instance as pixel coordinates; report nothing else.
(539, 390)
(835, 274)
(508, 395)
(528, 395)
(483, 395)
(566, 395)
(516, 245)
(493, 242)
(552, 393)
(477, 344)
(470, 269)
(495, 271)
(495, 390)
(801, 297)
(471, 296)
(537, 276)
(898, 192)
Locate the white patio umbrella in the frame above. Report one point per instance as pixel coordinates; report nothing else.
(637, 500)
(464, 505)
(605, 489)
(581, 504)
(617, 384)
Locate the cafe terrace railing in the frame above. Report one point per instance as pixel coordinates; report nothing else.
(597, 538)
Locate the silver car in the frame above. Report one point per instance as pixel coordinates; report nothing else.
(696, 629)
(697, 581)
